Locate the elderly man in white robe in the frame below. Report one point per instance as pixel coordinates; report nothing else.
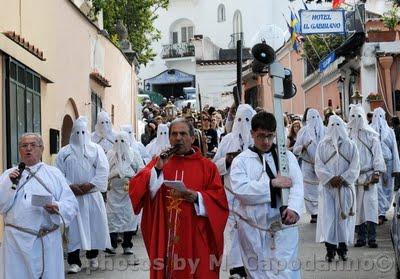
(124, 163)
(161, 142)
(136, 145)
(372, 165)
(268, 240)
(103, 133)
(85, 166)
(391, 156)
(337, 166)
(305, 147)
(231, 145)
(35, 202)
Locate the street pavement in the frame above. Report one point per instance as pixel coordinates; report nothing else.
(363, 262)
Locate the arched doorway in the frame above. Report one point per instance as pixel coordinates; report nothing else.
(66, 130)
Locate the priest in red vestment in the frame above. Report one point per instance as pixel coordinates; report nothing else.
(182, 230)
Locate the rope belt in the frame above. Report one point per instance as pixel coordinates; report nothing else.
(311, 201)
(272, 230)
(351, 211)
(311, 163)
(312, 182)
(40, 234)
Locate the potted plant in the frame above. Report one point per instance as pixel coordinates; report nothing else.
(375, 100)
(390, 20)
(384, 29)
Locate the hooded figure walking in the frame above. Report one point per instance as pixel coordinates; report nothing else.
(372, 165)
(337, 167)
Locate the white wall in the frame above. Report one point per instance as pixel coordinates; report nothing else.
(256, 14)
(212, 81)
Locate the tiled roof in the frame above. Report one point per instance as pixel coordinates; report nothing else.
(25, 44)
(100, 79)
(215, 62)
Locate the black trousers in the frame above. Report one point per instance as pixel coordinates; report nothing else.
(333, 248)
(126, 243)
(73, 257)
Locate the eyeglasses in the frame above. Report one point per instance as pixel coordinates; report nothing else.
(263, 137)
(31, 144)
(206, 119)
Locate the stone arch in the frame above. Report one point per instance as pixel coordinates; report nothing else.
(66, 129)
(74, 107)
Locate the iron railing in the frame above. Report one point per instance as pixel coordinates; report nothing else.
(177, 50)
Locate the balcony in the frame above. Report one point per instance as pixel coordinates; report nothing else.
(177, 50)
(234, 38)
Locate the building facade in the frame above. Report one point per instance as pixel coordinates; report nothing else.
(218, 23)
(55, 65)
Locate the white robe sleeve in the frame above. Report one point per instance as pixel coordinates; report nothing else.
(219, 158)
(322, 171)
(200, 207)
(249, 191)
(298, 146)
(378, 160)
(395, 152)
(100, 179)
(7, 195)
(67, 202)
(60, 164)
(296, 194)
(353, 170)
(155, 182)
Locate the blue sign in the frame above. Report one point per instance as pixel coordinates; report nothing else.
(328, 60)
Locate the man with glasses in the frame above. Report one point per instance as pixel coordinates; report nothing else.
(35, 202)
(268, 239)
(182, 229)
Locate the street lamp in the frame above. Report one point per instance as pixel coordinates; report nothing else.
(340, 88)
(356, 97)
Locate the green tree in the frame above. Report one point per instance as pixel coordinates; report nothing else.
(138, 17)
(316, 47)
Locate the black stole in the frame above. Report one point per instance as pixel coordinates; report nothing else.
(275, 192)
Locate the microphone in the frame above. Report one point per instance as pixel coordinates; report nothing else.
(15, 181)
(164, 155)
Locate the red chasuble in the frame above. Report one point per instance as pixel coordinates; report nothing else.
(179, 243)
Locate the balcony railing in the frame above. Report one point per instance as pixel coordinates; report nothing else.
(234, 38)
(177, 50)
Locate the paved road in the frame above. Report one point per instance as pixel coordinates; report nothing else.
(363, 262)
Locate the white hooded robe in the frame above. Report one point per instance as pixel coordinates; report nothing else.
(82, 161)
(314, 132)
(371, 160)
(124, 163)
(337, 155)
(238, 139)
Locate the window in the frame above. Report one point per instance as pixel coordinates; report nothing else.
(190, 32)
(187, 33)
(96, 108)
(23, 102)
(184, 34)
(221, 13)
(174, 37)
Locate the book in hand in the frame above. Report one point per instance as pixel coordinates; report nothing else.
(39, 200)
(176, 184)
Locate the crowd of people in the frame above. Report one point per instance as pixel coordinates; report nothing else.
(202, 185)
